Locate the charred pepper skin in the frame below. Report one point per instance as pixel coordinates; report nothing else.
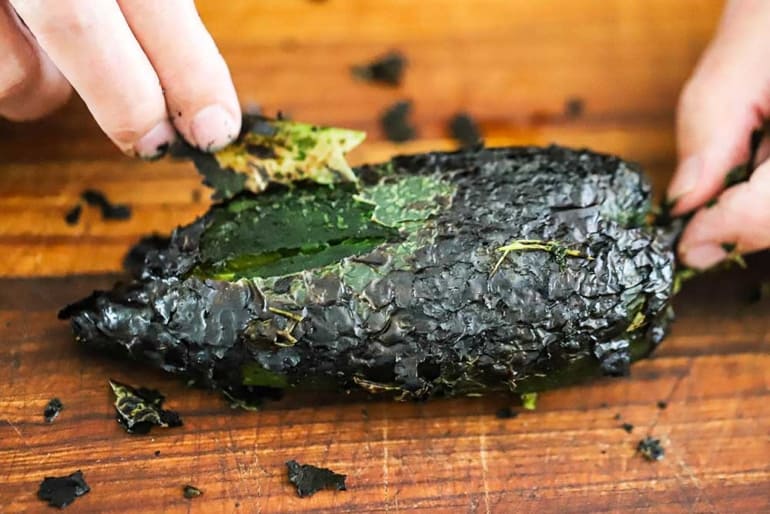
(430, 314)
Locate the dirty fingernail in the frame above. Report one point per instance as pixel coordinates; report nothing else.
(704, 256)
(686, 178)
(213, 127)
(156, 141)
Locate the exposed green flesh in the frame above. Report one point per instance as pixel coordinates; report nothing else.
(414, 198)
(283, 232)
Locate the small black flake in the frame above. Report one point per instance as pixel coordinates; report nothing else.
(628, 427)
(310, 479)
(662, 404)
(52, 410)
(109, 210)
(465, 130)
(190, 492)
(574, 107)
(651, 449)
(157, 453)
(395, 122)
(387, 69)
(506, 413)
(61, 491)
(73, 215)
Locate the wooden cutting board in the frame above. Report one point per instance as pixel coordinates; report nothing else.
(514, 65)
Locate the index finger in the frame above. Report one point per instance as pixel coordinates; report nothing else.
(199, 91)
(93, 46)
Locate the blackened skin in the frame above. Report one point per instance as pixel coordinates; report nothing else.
(440, 322)
(133, 262)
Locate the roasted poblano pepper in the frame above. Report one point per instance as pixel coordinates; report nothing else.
(516, 269)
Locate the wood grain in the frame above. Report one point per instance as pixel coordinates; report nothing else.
(513, 64)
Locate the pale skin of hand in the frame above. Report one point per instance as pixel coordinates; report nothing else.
(726, 98)
(143, 67)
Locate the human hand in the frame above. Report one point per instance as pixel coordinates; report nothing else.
(727, 97)
(142, 67)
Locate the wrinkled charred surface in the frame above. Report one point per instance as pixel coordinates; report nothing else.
(426, 312)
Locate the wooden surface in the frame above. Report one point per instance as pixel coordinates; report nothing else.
(513, 65)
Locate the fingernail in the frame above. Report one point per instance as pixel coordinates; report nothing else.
(686, 178)
(213, 127)
(704, 256)
(154, 143)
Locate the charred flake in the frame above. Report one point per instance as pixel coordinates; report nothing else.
(137, 410)
(310, 479)
(61, 491)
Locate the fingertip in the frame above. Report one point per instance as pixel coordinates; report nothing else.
(214, 127)
(699, 178)
(703, 255)
(684, 183)
(155, 142)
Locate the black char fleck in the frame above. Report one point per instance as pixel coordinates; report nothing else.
(651, 449)
(190, 492)
(574, 107)
(73, 215)
(387, 69)
(109, 210)
(310, 479)
(52, 410)
(465, 130)
(628, 427)
(395, 122)
(61, 491)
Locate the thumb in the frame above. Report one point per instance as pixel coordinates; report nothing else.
(724, 100)
(740, 217)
